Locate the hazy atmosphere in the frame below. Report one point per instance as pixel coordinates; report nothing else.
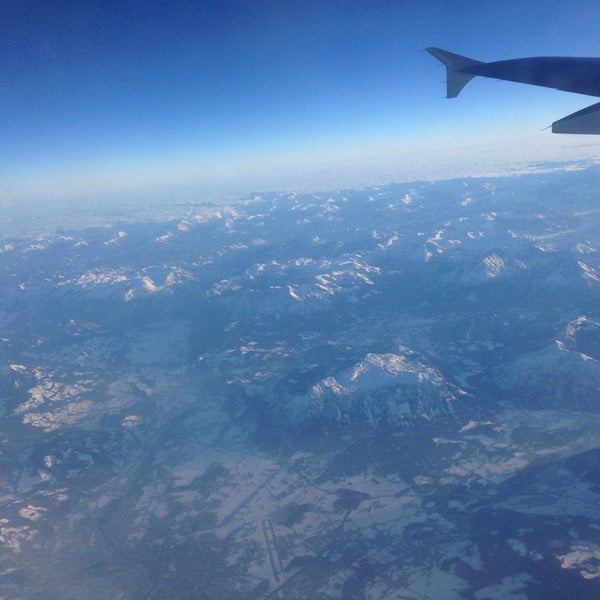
(170, 99)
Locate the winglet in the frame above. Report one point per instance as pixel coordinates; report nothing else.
(456, 78)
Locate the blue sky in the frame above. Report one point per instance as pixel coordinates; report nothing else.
(133, 98)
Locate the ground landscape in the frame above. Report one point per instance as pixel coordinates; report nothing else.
(383, 393)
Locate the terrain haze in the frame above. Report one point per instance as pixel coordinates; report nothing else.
(389, 392)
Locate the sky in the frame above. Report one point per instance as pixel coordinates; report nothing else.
(167, 99)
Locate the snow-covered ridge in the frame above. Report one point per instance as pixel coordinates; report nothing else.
(395, 387)
(562, 371)
(248, 390)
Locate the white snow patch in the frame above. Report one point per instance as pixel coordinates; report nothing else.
(493, 265)
(32, 513)
(583, 557)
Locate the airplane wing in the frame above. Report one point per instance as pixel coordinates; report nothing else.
(579, 75)
(582, 121)
(456, 74)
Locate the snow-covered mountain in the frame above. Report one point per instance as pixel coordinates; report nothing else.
(560, 373)
(394, 387)
(302, 394)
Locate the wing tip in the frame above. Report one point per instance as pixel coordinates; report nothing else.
(456, 78)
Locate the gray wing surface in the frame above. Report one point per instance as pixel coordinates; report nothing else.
(570, 74)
